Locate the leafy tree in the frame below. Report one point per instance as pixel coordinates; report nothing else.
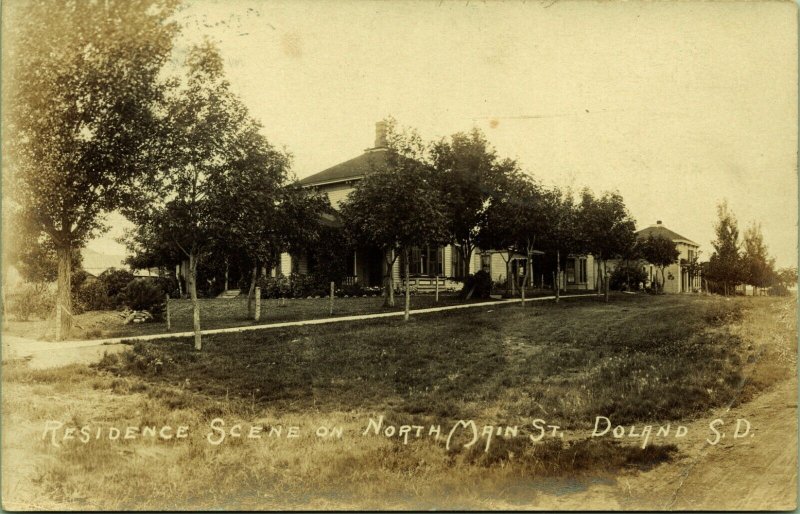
(397, 208)
(146, 250)
(466, 172)
(262, 213)
(560, 237)
(498, 227)
(525, 224)
(606, 229)
(725, 266)
(80, 82)
(694, 267)
(531, 227)
(206, 122)
(660, 252)
(759, 268)
(303, 213)
(34, 255)
(787, 276)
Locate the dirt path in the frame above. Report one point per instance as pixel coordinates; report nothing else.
(754, 473)
(750, 473)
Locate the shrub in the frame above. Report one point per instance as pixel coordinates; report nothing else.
(293, 286)
(779, 290)
(350, 290)
(627, 277)
(168, 285)
(31, 302)
(480, 284)
(92, 295)
(116, 280)
(144, 295)
(79, 277)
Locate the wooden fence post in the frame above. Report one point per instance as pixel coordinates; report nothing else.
(169, 325)
(332, 292)
(257, 315)
(437, 288)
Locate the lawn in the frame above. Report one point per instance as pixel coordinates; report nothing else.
(228, 312)
(635, 359)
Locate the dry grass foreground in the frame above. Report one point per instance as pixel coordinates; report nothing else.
(636, 360)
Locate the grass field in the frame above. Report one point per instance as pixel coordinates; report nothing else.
(636, 359)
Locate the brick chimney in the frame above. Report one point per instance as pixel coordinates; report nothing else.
(380, 134)
(658, 222)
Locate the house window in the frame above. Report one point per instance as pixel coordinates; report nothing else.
(425, 261)
(570, 271)
(486, 263)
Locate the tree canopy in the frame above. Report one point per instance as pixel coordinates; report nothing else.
(467, 171)
(758, 267)
(397, 208)
(80, 88)
(725, 266)
(606, 229)
(660, 252)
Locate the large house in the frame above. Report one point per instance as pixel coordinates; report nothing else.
(677, 277)
(428, 265)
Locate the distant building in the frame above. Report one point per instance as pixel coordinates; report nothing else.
(677, 279)
(426, 264)
(95, 263)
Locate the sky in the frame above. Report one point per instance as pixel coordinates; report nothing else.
(675, 105)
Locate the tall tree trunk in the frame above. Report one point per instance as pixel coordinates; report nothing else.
(508, 276)
(605, 279)
(597, 284)
(63, 294)
(252, 289)
(513, 278)
(530, 270)
(408, 291)
(466, 256)
(198, 344)
(627, 275)
(178, 278)
(227, 269)
(558, 275)
(388, 281)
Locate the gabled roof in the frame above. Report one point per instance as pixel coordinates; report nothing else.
(371, 160)
(662, 231)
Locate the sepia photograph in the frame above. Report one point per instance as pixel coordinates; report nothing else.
(399, 255)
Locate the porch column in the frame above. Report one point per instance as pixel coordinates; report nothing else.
(285, 267)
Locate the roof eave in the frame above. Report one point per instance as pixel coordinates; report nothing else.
(334, 181)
